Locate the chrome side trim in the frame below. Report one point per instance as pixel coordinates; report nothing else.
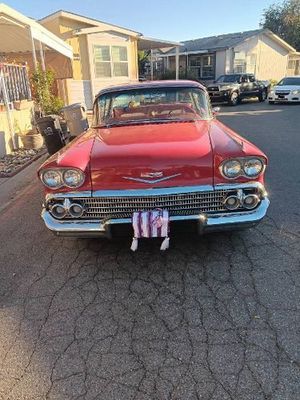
(62, 195)
(246, 185)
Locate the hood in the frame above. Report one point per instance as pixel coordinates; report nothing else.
(152, 155)
(222, 86)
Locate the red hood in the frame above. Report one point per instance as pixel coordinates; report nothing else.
(188, 153)
(123, 155)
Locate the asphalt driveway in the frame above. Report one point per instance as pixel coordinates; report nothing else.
(215, 317)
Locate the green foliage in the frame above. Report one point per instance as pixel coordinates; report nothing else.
(143, 58)
(273, 82)
(284, 20)
(183, 74)
(42, 84)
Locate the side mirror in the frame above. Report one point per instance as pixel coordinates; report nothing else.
(215, 111)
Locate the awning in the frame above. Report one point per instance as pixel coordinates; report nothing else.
(17, 32)
(146, 43)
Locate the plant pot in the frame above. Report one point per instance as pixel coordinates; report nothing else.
(22, 105)
(32, 142)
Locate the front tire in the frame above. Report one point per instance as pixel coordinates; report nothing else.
(271, 102)
(262, 96)
(234, 99)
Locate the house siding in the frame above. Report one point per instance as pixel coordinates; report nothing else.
(220, 63)
(85, 85)
(273, 60)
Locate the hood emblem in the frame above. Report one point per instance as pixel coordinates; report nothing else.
(159, 174)
(153, 177)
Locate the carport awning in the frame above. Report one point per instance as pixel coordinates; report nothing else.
(17, 32)
(146, 43)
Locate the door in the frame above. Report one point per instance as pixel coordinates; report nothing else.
(244, 86)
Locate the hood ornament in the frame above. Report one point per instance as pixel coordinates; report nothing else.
(154, 177)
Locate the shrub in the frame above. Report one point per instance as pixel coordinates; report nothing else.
(42, 83)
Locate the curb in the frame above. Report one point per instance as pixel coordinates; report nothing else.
(11, 188)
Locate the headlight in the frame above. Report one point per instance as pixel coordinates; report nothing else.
(253, 167)
(249, 167)
(232, 168)
(52, 178)
(271, 92)
(73, 178)
(295, 91)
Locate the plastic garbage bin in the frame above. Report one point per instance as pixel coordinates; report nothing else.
(76, 118)
(51, 130)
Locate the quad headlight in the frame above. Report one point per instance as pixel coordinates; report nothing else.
(250, 167)
(57, 178)
(253, 167)
(73, 178)
(232, 168)
(52, 178)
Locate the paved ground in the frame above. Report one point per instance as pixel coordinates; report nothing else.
(216, 317)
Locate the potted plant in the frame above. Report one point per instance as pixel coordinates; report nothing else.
(43, 92)
(30, 138)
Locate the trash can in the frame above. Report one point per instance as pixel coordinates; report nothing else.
(76, 118)
(51, 130)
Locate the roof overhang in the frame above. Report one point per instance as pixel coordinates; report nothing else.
(88, 21)
(280, 41)
(146, 43)
(17, 32)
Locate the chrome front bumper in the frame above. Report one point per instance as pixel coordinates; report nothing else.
(205, 222)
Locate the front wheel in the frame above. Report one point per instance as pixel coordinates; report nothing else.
(262, 96)
(271, 102)
(234, 99)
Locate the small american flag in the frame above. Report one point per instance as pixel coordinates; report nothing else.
(150, 224)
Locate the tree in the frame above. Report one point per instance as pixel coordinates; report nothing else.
(284, 20)
(143, 59)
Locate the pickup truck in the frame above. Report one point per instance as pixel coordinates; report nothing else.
(232, 88)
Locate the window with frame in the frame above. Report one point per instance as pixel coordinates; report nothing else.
(110, 61)
(203, 65)
(240, 64)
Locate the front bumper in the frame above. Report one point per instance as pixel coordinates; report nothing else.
(289, 98)
(219, 97)
(206, 222)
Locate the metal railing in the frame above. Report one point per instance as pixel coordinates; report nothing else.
(16, 81)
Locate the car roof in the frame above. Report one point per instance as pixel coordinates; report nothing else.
(152, 84)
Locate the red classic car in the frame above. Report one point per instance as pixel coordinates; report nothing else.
(154, 146)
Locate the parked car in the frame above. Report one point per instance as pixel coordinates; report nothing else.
(154, 146)
(287, 90)
(232, 88)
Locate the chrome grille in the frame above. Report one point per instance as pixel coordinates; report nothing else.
(283, 92)
(177, 204)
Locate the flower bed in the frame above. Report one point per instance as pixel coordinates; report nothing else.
(12, 163)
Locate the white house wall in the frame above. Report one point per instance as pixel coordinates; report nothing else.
(270, 58)
(273, 59)
(106, 39)
(220, 63)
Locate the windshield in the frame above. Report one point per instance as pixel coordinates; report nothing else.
(228, 78)
(289, 82)
(150, 105)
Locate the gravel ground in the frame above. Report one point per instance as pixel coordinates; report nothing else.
(11, 163)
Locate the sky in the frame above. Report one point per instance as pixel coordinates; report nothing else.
(168, 20)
